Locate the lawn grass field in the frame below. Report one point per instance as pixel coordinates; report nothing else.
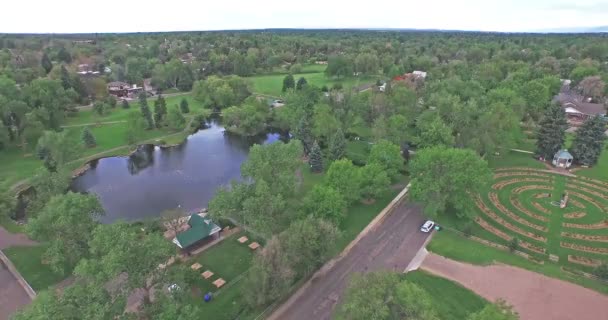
(273, 84)
(451, 300)
(28, 260)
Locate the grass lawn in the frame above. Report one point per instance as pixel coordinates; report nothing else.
(358, 151)
(513, 159)
(272, 84)
(451, 300)
(28, 260)
(600, 170)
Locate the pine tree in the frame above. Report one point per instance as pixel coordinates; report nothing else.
(66, 82)
(125, 104)
(589, 141)
(304, 134)
(552, 133)
(337, 145)
(183, 105)
(88, 138)
(145, 110)
(288, 82)
(160, 110)
(46, 63)
(316, 158)
(301, 83)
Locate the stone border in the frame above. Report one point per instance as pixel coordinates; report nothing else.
(11, 268)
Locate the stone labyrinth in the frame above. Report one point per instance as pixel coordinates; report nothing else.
(525, 203)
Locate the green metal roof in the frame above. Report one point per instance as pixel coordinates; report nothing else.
(200, 228)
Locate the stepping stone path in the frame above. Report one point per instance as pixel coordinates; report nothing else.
(254, 245)
(207, 274)
(196, 266)
(219, 282)
(243, 239)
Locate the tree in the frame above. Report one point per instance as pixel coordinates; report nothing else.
(592, 86)
(339, 66)
(66, 222)
(374, 181)
(160, 111)
(316, 158)
(183, 106)
(46, 63)
(247, 120)
(111, 101)
(288, 82)
(88, 138)
(495, 311)
(99, 108)
(601, 271)
(64, 55)
(589, 141)
(303, 133)
(175, 119)
(145, 110)
(81, 300)
(324, 202)
(301, 83)
(135, 127)
(66, 81)
(446, 178)
(551, 134)
(388, 156)
(218, 93)
(337, 146)
(48, 184)
(324, 122)
(125, 104)
(263, 210)
(344, 177)
(57, 147)
(121, 248)
(383, 295)
(432, 131)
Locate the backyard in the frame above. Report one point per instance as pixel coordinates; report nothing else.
(273, 84)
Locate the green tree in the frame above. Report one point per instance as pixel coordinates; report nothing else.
(589, 141)
(344, 177)
(57, 147)
(316, 158)
(337, 146)
(88, 138)
(218, 93)
(263, 210)
(601, 271)
(324, 202)
(64, 55)
(324, 122)
(495, 311)
(303, 133)
(374, 181)
(48, 184)
(66, 222)
(99, 107)
(160, 111)
(145, 110)
(432, 131)
(446, 178)
(66, 80)
(183, 106)
(288, 83)
(387, 155)
(125, 104)
(121, 248)
(46, 63)
(413, 302)
(247, 120)
(175, 119)
(339, 66)
(551, 134)
(301, 83)
(135, 127)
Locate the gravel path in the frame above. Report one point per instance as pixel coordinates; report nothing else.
(534, 296)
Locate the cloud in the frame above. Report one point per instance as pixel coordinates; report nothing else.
(585, 8)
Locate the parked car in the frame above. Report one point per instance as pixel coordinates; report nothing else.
(427, 226)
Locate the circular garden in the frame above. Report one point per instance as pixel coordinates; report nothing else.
(527, 204)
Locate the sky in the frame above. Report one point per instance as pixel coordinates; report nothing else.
(77, 16)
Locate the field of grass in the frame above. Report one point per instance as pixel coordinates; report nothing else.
(600, 170)
(272, 84)
(457, 247)
(513, 159)
(28, 260)
(451, 300)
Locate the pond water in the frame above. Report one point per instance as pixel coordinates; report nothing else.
(155, 179)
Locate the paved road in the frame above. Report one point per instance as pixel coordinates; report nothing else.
(391, 246)
(12, 295)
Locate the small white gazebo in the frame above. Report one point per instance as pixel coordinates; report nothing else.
(563, 159)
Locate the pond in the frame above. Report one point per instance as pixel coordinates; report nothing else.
(154, 179)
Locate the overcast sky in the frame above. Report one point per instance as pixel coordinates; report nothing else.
(77, 16)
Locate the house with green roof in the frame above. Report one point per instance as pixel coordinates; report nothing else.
(200, 228)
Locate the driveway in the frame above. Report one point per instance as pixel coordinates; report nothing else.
(12, 295)
(390, 246)
(533, 295)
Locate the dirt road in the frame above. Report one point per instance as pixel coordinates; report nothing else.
(533, 295)
(390, 246)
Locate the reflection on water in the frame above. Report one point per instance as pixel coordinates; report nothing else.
(154, 179)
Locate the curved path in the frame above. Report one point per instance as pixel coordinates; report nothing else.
(390, 246)
(534, 296)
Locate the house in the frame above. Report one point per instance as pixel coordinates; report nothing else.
(419, 74)
(197, 230)
(577, 109)
(187, 58)
(123, 90)
(562, 159)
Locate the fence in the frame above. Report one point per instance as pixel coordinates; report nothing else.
(11, 268)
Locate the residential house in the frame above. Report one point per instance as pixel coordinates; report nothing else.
(577, 108)
(121, 89)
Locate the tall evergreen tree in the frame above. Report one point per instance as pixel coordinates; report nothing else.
(304, 134)
(125, 104)
(46, 63)
(288, 82)
(160, 110)
(145, 110)
(552, 132)
(337, 145)
(183, 106)
(589, 141)
(316, 158)
(88, 138)
(301, 83)
(66, 82)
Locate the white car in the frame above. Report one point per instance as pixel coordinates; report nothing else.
(427, 226)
